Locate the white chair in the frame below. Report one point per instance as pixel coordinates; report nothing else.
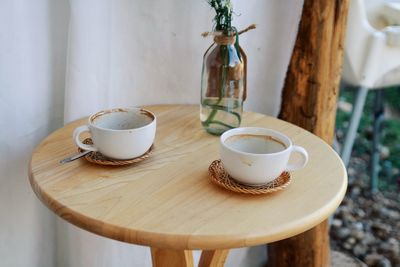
(372, 57)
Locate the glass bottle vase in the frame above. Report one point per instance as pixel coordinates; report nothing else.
(223, 85)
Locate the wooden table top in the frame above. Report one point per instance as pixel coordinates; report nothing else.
(167, 201)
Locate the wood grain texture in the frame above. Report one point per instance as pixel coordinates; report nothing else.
(312, 82)
(213, 258)
(307, 249)
(171, 258)
(309, 101)
(167, 201)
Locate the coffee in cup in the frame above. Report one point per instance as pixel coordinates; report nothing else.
(253, 143)
(120, 133)
(255, 156)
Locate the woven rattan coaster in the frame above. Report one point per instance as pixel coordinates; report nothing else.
(98, 158)
(219, 176)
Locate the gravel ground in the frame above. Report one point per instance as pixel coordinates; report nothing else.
(366, 225)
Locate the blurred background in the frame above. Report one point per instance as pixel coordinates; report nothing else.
(367, 224)
(62, 60)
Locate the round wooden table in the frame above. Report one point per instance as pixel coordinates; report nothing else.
(168, 203)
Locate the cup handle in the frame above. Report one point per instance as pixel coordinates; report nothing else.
(296, 166)
(77, 133)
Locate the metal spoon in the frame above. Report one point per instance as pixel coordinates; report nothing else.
(74, 157)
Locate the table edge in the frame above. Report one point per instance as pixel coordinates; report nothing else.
(161, 240)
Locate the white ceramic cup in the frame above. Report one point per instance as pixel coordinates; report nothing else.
(120, 133)
(256, 156)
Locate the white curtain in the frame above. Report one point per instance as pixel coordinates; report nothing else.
(61, 60)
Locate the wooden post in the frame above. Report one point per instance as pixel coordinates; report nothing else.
(309, 101)
(171, 258)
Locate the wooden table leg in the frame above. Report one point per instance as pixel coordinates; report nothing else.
(171, 258)
(213, 258)
(309, 249)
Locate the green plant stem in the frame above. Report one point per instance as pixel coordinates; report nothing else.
(223, 124)
(220, 107)
(225, 58)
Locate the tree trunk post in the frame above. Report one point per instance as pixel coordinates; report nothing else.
(309, 100)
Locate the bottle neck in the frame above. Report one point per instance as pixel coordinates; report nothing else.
(224, 39)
